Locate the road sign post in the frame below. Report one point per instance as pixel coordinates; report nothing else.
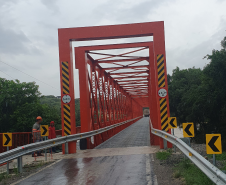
(7, 163)
(214, 159)
(7, 141)
(174, 147)
(45, 150)
(173, 124)
(45, 134)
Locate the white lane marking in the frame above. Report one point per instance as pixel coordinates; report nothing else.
(152, 157)
(155, 180)
(149, 172)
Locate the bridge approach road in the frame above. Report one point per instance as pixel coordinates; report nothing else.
(124, 159)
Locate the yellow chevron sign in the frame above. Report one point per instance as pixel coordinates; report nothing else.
(213, 144)
(172, 122)
(44, 130)
(7, 139)
(188, 130)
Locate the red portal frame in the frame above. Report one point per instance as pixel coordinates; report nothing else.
(156, 52)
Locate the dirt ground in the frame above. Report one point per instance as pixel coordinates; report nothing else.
(164, 169)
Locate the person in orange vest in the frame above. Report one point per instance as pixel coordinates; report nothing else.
(37, 134)
(52, 135)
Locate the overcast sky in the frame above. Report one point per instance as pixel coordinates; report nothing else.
(29, 32)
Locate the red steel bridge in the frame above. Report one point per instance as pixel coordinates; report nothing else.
(114, 87)
(116, 81)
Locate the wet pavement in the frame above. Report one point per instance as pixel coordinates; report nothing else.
(125, 159)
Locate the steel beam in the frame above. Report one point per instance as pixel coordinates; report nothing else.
(126, 67)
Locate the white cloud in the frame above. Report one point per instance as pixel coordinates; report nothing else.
(29, 36)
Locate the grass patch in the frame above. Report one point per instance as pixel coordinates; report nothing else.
(35, 165)
(219, 157)
(4, 176)
(14, 172)
(164, 154)
(192, 175)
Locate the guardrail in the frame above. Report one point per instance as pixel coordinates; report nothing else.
(24, 138)
(26, 149)
(216, 175)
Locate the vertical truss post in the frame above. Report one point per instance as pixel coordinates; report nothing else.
(85, 112)
(155, 140)
(65, 56)
(159, 51)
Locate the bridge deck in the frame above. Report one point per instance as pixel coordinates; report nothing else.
(123, 159)
(137, 134)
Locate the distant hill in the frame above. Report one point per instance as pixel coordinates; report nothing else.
(56, 102)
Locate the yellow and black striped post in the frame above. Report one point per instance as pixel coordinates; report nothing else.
(67, 120)
(162, 101)
(161, 70)
(163, 114)
(65, 84)
(65, 78)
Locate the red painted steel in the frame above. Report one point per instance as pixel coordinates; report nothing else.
(23, 138)
(108, 95)
(18, 139)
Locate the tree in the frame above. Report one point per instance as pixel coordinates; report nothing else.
(54, 102)
(13, 96)
(199, 96)
(183, 89)
(214, 75)
(20, 105)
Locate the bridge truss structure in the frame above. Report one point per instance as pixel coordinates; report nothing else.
(114, 87)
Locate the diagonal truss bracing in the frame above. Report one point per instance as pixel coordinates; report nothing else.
(115, 86)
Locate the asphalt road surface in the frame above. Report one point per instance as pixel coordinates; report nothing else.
(118, 169)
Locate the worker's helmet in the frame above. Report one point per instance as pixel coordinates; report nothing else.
(39, 118)
(52, 123)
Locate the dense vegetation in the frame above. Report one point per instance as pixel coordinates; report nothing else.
(199, 96)
(21, 103)
(56, 103)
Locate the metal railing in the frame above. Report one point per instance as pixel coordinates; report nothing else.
(18, 139)
(215, 174)
(27, 149)
(24, 138)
